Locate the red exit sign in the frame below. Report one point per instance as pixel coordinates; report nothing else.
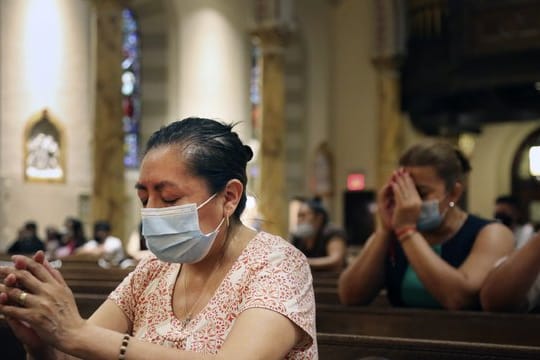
(356, 182)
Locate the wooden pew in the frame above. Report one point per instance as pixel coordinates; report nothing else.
(325, 295)
(467, 326)
(356, 347)
(88, 303)
(325, 279)
(93, 279)
(329, 296)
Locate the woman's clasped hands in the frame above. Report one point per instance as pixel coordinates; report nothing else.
(37, 303)
(399, 203)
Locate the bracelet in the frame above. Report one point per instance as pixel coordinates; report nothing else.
(404, 230)
(404, 236)
(123, 347)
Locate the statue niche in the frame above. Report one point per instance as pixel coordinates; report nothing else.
(43, 150)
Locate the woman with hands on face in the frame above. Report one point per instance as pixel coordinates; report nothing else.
(212, 288)
(426, 251)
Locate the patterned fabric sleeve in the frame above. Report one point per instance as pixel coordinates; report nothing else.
(284, 284)
(126, 294)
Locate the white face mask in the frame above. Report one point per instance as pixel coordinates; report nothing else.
(304, 230)
(174, 235)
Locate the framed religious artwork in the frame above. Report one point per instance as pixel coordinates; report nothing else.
(44, 149)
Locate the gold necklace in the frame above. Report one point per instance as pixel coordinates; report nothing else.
(188, 314)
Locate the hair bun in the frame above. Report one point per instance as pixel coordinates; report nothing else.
(248, 153)
(463, 161)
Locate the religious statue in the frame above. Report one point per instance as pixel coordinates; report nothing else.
(43, 156)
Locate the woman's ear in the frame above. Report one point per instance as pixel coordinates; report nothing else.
(233, 193)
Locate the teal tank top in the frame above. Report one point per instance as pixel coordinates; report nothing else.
(413, 292)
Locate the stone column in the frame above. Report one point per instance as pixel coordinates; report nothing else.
(108, 194)
(272, 195)
(390, 118)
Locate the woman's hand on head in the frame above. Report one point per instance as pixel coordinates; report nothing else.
(407, 200)
(49, 313)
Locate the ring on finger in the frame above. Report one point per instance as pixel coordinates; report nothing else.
(22, 298)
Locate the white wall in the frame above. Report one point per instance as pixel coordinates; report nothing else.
(212, 46)
(45, 61)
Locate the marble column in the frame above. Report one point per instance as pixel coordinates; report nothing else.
(272, 204)
(108, 194)
(390, 118)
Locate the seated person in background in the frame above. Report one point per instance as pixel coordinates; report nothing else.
(212, 288)
(27, 241)
(426, 251)
(136, 246)
(507, 212)
(53, 240)
(72, 238)
(514, 283)
(324, 244)
(104, 245)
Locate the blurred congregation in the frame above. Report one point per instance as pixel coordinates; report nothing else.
(396, 145)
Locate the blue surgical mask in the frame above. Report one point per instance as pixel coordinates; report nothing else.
(174, 235)
(430, 217)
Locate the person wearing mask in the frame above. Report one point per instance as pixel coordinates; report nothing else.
(324, 244)
(104, 245)
(27, 242)
(507, 212)
(53, 240)
(213, 288)
(426, 251)
(72, 237)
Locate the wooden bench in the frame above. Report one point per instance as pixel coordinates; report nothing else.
(357, 347)
(325, 279)
(88, 303)
(511, 329)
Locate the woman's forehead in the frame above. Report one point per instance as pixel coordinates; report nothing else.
(163, 164)
(424, 175)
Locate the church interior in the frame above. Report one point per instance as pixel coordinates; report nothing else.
(327, 93)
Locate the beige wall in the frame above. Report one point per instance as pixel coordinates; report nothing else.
(492, 163)
(314, 25)
(212, 47)
(39, 69)
(352, 123)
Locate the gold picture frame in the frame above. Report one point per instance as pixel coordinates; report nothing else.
(44, 149)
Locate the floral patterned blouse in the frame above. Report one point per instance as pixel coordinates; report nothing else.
(269, 273)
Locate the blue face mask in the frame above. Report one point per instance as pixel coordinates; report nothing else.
(173, 233)
(430, 217)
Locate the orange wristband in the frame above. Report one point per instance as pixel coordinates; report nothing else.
(404, 230)
(404, 236)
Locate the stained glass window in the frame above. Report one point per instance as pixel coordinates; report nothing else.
(131, 102)
(255, 97)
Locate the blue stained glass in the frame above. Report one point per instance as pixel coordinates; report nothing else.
(131, 104)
